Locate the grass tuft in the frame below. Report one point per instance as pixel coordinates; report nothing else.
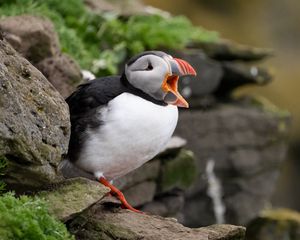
(28, 218)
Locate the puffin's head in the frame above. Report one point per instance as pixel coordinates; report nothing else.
(156, 74)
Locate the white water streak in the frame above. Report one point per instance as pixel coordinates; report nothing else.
(214, 191)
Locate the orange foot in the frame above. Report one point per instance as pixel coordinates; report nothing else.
(117, 193)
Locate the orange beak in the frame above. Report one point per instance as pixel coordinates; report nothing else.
(179, 68)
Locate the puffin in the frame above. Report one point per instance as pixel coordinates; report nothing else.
(120, 122)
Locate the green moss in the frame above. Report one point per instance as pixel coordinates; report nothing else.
(73, 196)
(28, 218)
(178, 172)
(100, 42)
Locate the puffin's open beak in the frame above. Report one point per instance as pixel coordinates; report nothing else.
(179, 68)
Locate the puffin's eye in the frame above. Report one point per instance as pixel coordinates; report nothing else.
(149, 67)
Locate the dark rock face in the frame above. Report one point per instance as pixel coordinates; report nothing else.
(147, 172)
(141, 193)
(33, 37)
(168, 204)
(34, 123)
(246, 146)
(36, 40)
(237, 74)
(100, 222)
(62, 72)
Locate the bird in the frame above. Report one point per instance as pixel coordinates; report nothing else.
(120, 122)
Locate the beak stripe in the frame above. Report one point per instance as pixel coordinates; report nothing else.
(185, 67)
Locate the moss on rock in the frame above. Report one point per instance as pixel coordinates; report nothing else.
(73, 196)
(34, 124)
(179, 172)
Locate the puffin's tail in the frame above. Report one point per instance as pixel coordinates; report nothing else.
(69, 170)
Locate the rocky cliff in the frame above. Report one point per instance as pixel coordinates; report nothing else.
(210, 174)
(34, 136)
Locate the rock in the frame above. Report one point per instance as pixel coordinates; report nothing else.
(247, 144)
(156, 208)
(215, 78)
(237, 75)
(167, 204)
(63, 72)
(34, 123)
(33, 37)
(275, 224)
(147, 172)
(225, 232)
(141, 193)
(174, 202)
(124, 7)
(226, 50)
(198, 210)
(178, 172)
(72, 196)
(100, 222)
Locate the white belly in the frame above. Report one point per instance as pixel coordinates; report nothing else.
(134, 131)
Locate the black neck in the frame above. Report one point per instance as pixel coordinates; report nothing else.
(133, 90)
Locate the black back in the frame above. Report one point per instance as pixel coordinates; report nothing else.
(94, 94)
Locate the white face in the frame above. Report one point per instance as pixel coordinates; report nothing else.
(147, 73)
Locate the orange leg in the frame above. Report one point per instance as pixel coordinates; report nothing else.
(117, 193)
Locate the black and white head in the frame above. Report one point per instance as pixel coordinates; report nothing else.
(156, 74)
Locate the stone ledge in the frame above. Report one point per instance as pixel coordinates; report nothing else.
(73, 196)
(104, 222)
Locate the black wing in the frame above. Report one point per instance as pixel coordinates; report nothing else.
(94, 94)
(84, 104)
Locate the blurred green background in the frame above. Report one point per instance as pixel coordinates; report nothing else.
(272, 24)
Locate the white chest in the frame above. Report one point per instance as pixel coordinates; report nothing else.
(134, 130)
